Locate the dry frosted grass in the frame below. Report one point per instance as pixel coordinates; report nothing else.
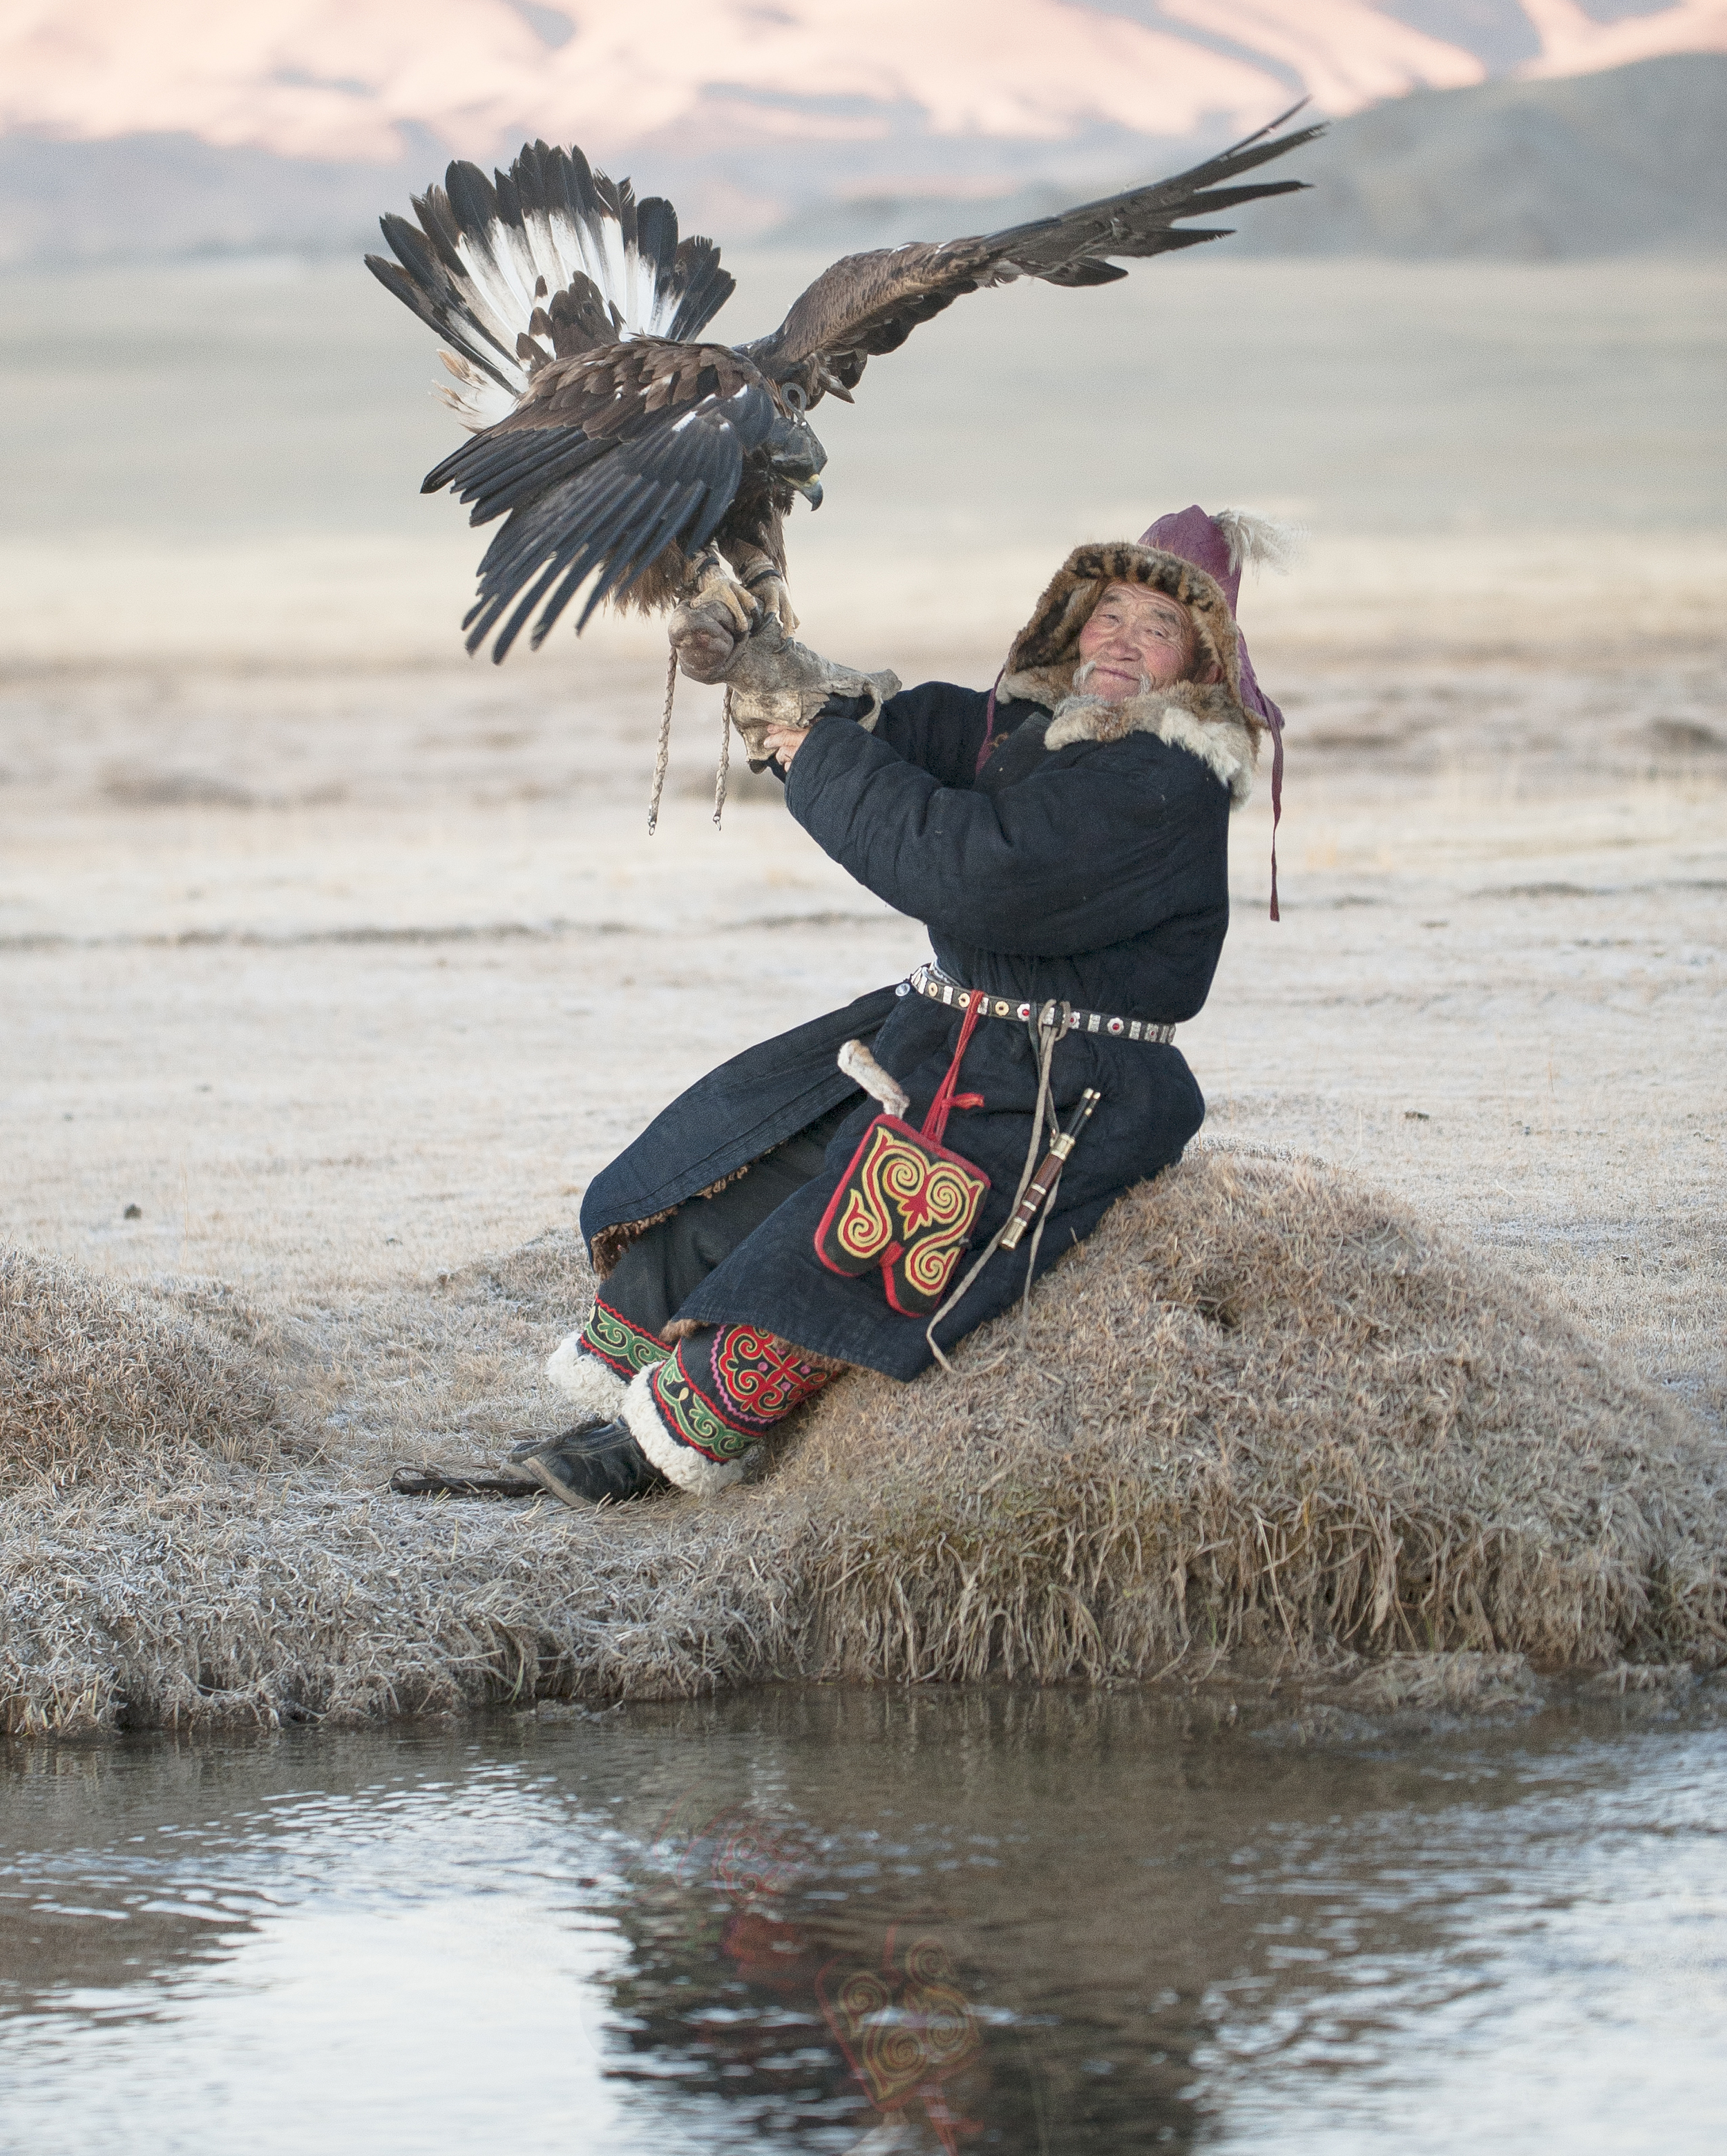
(95, 1377)
(1262, 1421)
(1262, 1409)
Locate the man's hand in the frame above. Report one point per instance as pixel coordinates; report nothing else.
(719, 613)
(782, 743)
(777, 687)
(705, 639)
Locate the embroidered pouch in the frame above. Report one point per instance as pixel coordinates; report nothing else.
(907, 1205)
(905, 1202)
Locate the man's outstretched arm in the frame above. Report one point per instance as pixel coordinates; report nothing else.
(1098, 851)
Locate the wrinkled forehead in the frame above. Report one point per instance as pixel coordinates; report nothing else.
(1141, 607)
(1143, 599)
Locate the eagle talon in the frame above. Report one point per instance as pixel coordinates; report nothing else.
(714, 581)
(733, 595)
(771, 594)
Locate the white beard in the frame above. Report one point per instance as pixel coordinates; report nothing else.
(1077, 700)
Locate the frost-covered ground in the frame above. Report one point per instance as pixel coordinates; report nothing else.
(344, 962)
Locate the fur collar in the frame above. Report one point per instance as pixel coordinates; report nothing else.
(1207, 721)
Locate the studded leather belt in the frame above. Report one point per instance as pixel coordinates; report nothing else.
(926, 981)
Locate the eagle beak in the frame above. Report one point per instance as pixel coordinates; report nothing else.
(810, 488)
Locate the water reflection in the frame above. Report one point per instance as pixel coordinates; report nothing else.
(868, 1921)
(753, 1975)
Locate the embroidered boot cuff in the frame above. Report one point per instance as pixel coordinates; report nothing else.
(619, 1342)
(584, 1380)
(679, 1462)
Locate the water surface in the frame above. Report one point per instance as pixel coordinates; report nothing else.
(823, 1920)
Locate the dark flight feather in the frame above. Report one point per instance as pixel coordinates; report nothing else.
(867, 305)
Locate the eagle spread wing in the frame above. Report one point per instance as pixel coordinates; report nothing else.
(617, 444)
(868, 304)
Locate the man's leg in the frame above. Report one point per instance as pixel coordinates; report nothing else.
(697, 1413)
(687, 1420)
(623, 1336)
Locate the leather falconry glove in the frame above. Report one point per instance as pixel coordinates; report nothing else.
(773, 682)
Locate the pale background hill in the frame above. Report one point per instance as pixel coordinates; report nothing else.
(190, 127)
(1624, 163)
(1617, 163)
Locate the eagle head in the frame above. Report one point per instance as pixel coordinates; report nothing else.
(792, 446)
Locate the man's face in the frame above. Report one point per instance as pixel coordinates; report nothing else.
(1134, 635)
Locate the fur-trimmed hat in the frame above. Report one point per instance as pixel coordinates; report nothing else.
(1045, 655)
(1223, 546)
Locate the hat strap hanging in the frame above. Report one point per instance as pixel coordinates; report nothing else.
(989, 724)
(1276, 717)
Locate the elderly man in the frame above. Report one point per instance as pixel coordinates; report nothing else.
(1064, 838)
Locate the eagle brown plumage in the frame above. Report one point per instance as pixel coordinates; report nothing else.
(614, 442)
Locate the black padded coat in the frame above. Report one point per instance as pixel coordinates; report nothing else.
(1097, 872)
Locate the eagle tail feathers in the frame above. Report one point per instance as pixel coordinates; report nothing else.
(704, 288)
(490, 255)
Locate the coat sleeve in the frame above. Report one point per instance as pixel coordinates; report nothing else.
(1097, 848)
(937, 726)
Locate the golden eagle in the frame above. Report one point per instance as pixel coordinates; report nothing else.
(612, 438)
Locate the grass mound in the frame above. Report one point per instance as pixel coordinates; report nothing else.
(1262, 1410)
(1262, 1423)
(94, 1378)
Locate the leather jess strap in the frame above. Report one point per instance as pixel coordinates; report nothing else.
(926, 981)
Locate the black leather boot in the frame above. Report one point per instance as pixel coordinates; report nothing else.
(594, 1464)
(525, 1446)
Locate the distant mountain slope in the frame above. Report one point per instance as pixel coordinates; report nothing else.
(1627, 161)
(143, 198)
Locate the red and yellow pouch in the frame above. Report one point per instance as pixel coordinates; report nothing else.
(906, 1203)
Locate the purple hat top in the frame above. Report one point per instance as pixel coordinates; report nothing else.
(1222, 549)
